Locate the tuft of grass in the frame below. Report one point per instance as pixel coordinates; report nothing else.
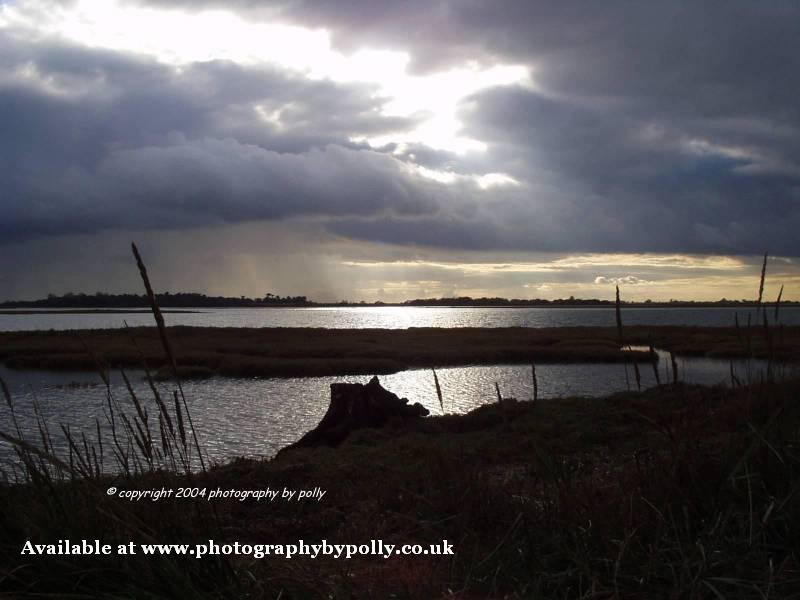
(674, 362)
(162, 332)
(654, 362)
(621, 340)
(761, 281)
(778, 303)
(438, 389)
(51, 495)
(618, 314)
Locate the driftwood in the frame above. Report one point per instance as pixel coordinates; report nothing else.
(355, 406)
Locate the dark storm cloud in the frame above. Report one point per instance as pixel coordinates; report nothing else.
(670, 127)
(654, 181)
(93, 140)
(667, 126)
(205, 97)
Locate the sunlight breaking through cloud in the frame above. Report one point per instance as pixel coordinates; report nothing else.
(717, 263)
(212, 35)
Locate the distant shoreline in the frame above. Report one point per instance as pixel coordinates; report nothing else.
(192, 301)
(200, 309)
(86, 311)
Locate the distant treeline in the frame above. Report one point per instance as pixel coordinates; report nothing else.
(194, 300)
(167, 299)
(572, 301)
(468, 301)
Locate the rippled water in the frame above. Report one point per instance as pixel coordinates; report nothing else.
(257, 417)
(396, 317)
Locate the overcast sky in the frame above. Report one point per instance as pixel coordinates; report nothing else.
(385, 149)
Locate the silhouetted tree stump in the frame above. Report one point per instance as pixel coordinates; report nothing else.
(355, 406)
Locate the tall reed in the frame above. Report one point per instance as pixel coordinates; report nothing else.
(761, 282)
(438, 389)
(162, 332)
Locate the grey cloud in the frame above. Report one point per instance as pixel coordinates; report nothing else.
(221, 176)
(93, 140)
(653, 127)
(674, 186)
(661, 127)
(187, 183)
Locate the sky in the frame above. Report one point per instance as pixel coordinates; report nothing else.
(388, 150)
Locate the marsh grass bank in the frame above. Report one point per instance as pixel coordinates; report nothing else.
(295, 352)
(678, 491)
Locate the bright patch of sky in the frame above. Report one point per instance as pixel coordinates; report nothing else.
(568, 263)
(179, 38)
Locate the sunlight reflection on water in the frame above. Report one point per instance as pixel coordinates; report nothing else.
(256, 417)
(396, 317)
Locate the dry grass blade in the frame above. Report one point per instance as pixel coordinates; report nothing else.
(99, 439)
(169, 440)
(133, 436)
(438, 389)
(761, 283)
(179, 416)
(140, 410)
(10, 402)
(535, 383)
(6, 393)
(162, 332)
(654, 362)
(770, 351)
(83, 467)
(737, 327)
(151, 382)
(44, 432)
(674, 362)
(30, 448)
(618, 311)
(497, 389)
(166, 447)
(162, 328)
(734, 379)
(778, 304)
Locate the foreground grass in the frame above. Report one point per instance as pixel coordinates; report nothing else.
(676, 492)
(290, 352)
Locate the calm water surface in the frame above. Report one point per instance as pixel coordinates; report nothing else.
(396, 317)
(256, 416)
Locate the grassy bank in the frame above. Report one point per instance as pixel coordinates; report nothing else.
(288, 352)
(679, 491)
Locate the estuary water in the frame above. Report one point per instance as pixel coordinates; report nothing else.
(396, 317)
(255, 417)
